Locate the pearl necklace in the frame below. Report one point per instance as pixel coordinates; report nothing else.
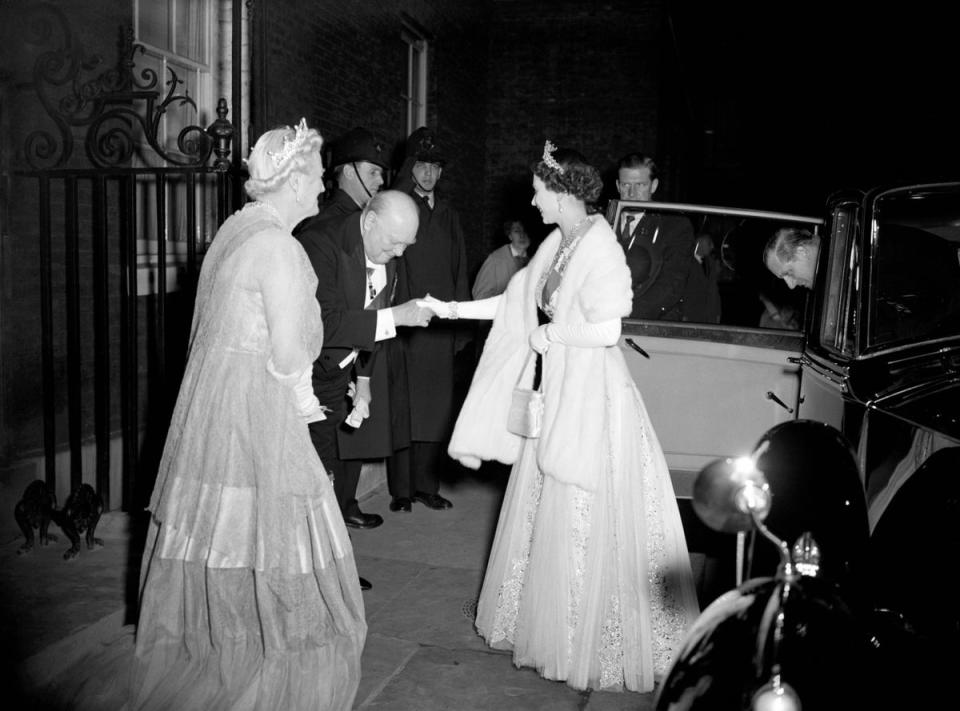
(271, 210)
(568, 244)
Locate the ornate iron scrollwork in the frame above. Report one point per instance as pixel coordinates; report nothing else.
(120, 108)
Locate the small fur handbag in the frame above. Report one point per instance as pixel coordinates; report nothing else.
(526, 407)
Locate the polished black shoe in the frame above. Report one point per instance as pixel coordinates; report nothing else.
(433, 501)
(401, 503)
(355, 518)
(364, 584)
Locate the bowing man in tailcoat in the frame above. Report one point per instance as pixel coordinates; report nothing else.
(437, 265)
(354, 258)
(659, 248)
(357, 163)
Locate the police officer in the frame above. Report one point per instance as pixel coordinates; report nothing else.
(358, 164)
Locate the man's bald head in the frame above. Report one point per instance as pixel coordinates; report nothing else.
(388, 225)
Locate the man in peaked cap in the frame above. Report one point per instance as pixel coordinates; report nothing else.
(358, 163)
(435, 264)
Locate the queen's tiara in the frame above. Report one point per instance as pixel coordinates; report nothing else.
(548, 151)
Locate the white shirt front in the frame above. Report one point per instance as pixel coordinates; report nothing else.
(377, 279)
(386, 327)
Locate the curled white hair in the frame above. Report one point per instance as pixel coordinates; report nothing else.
(277, 154)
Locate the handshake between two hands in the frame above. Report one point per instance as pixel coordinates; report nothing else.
(419, 312)
(441, 309)
(416, 312)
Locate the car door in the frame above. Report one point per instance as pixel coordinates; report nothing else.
(712, 389)
(711, 392)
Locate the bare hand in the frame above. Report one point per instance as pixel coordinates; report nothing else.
(411, 314)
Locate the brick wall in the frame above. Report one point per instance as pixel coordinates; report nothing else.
(583, 74)
(343, 64)
(504, 74)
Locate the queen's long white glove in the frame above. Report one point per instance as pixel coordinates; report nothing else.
(481, 310)
(586, 334)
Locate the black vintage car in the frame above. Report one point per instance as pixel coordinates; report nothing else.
(869, 377)
(882, 365)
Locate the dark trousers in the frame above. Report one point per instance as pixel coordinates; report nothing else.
(416, 468)
(345, 473)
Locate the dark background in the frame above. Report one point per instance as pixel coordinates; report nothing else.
(793, 101)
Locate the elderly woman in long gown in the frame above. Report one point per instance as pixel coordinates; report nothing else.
(250, 596)
(589, 578)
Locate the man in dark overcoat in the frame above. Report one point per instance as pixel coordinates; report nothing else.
(435, 265)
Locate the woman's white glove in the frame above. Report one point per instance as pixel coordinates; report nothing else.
(301, 383)
(359, 393)
(540, 339)
(309, 407)
(442, 309)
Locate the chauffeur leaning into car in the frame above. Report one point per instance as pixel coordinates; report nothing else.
(791, 254)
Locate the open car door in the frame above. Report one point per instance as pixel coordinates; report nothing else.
(712, 388)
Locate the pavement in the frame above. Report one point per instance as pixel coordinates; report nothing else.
(422, 652)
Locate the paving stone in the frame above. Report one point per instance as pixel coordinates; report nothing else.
(383, 659)
(437, 679)
(436, 607)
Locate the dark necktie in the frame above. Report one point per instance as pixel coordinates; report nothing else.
(628, 223)
(378, 300)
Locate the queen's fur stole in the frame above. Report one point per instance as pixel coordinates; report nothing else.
(584, 387)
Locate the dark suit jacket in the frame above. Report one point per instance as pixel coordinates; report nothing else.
(701, 297)
(335, 249)
(660, 255)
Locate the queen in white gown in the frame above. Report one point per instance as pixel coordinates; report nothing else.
(589, 578)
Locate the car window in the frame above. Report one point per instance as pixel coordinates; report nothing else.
(915, 268)
(728, 262)
(838, 326)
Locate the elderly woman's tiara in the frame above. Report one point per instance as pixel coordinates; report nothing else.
(290, 145)
(548, 151)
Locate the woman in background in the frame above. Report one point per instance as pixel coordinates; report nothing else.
(250, 597)
(589, 577)
(503, 262)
